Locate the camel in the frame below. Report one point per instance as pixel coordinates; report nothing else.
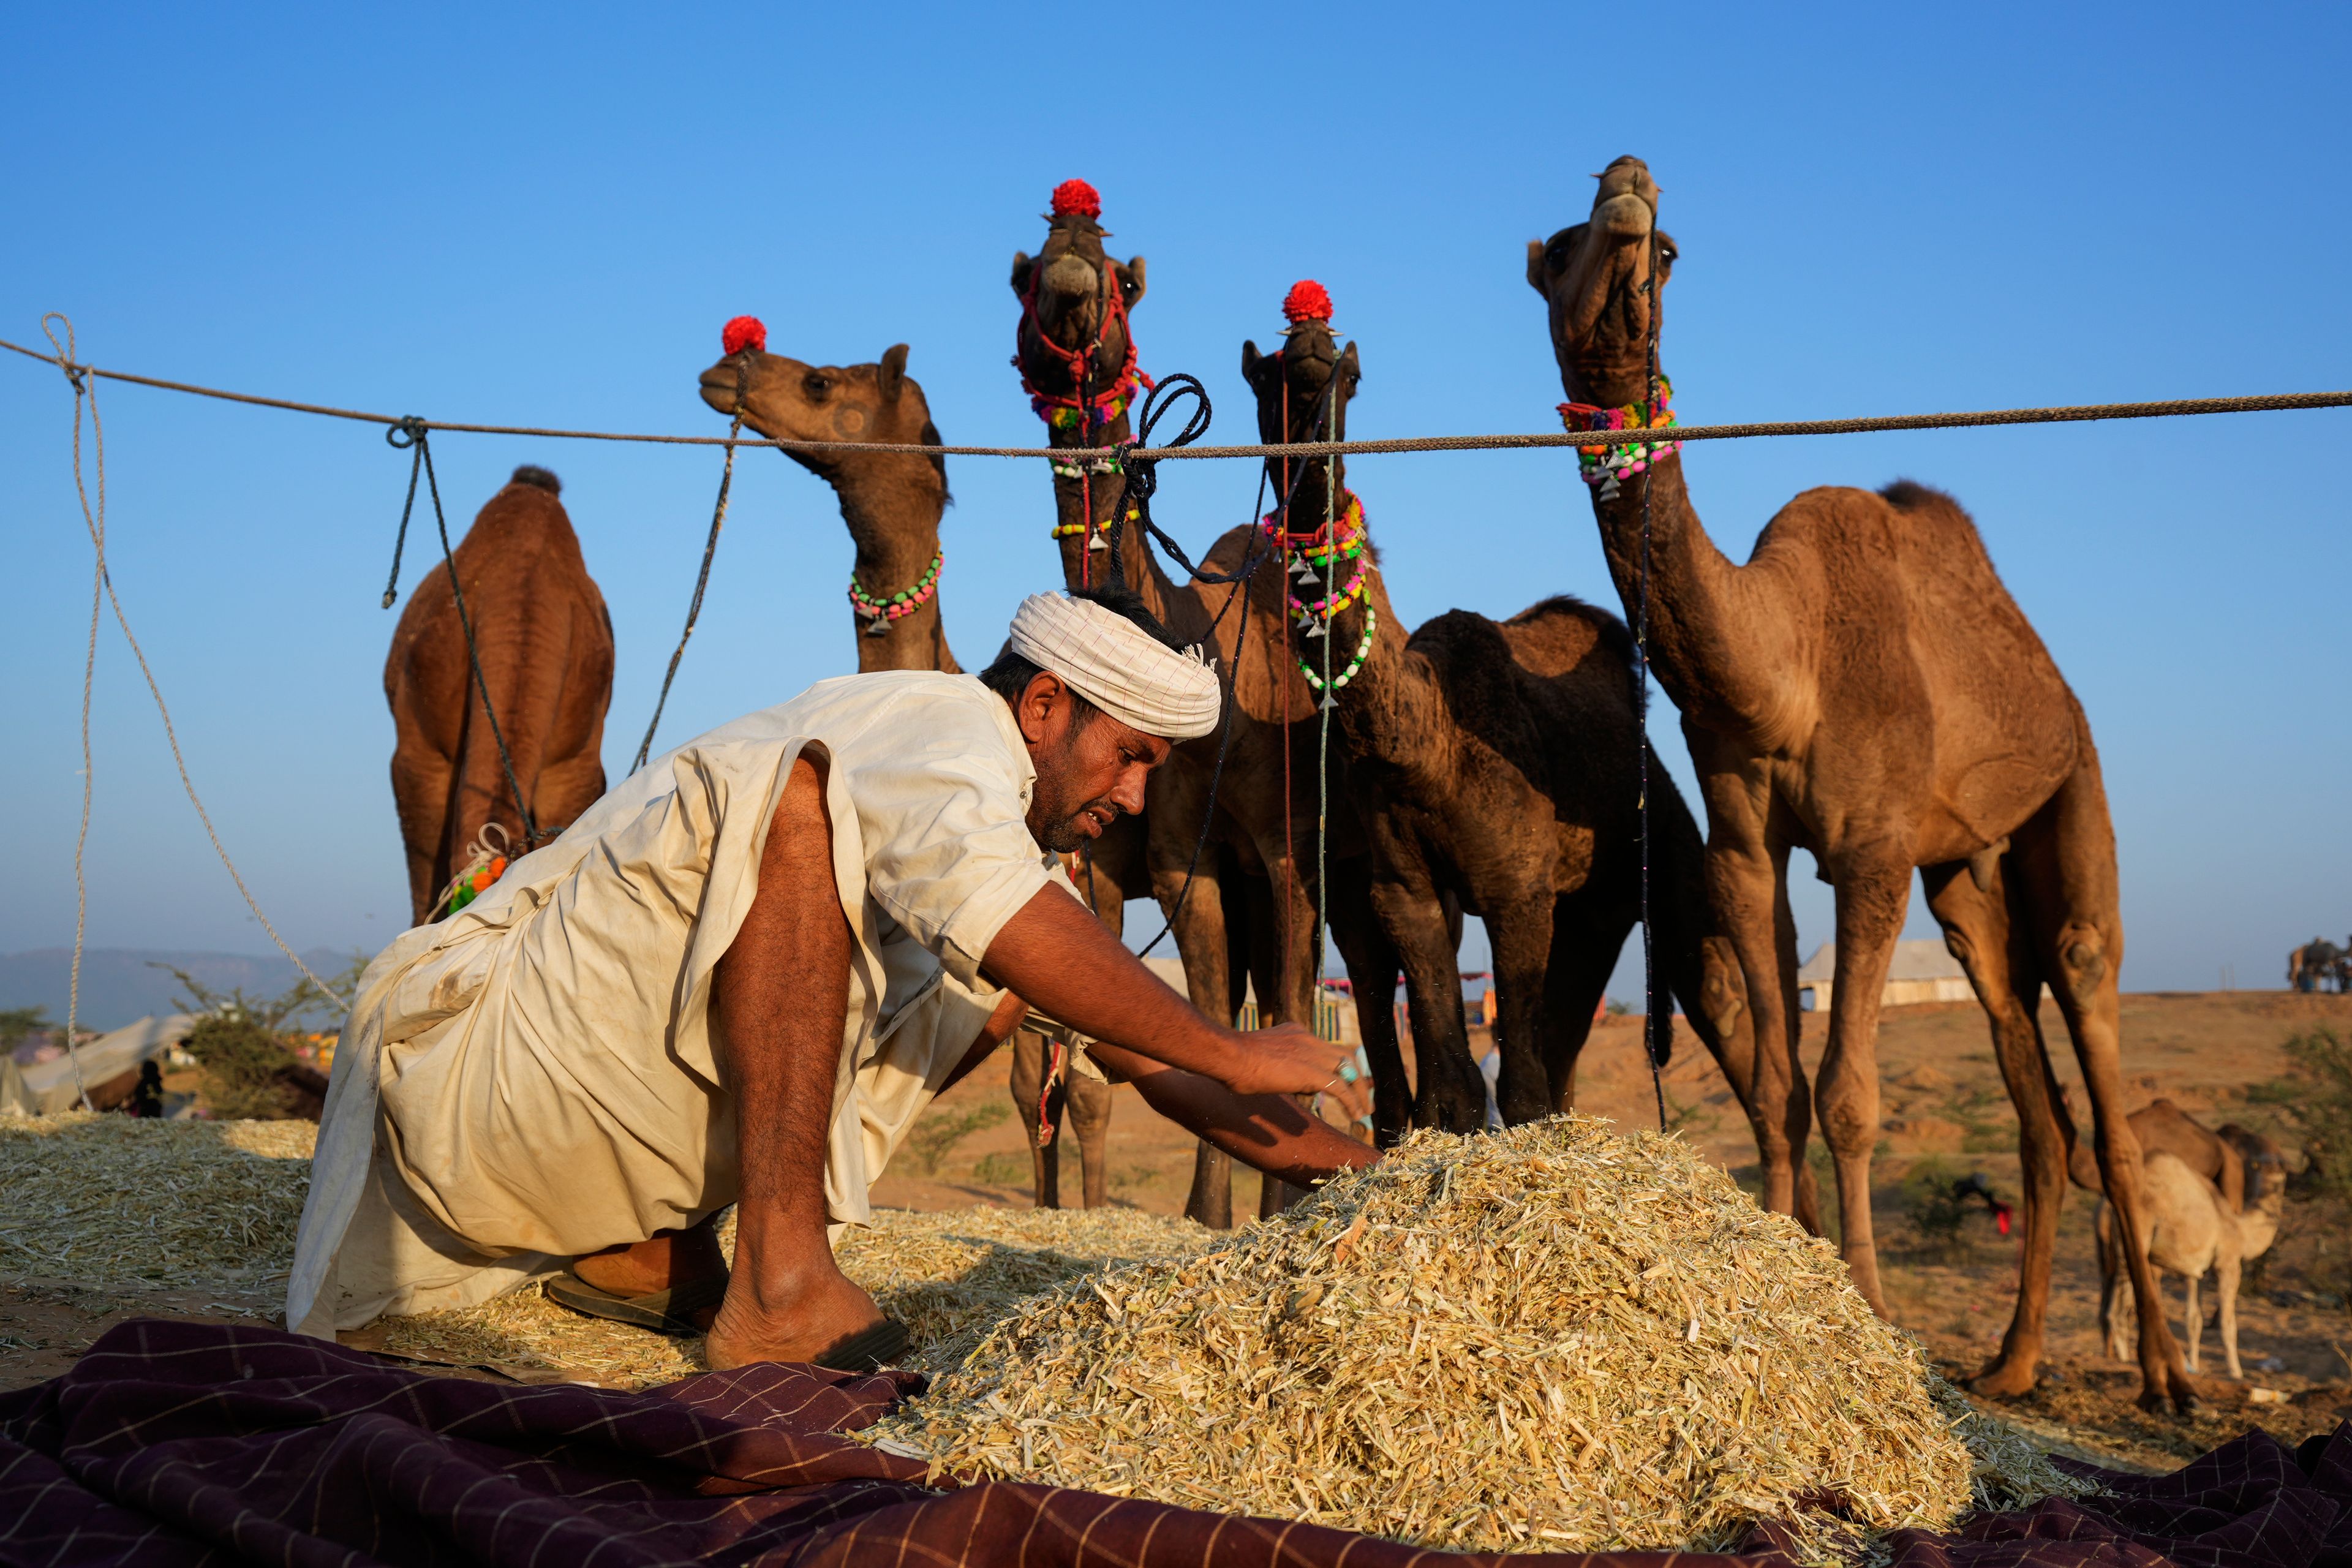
(1865, 689)
(1500, 763)
(2187, 1227)
(545, 643)
(2219, 1157)
(1252, 899)
(892, 503)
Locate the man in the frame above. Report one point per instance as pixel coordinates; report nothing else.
(741, 975)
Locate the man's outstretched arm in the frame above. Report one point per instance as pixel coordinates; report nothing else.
(1268, 1132)
(1059, 958)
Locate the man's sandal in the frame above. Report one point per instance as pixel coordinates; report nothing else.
(667, 1311)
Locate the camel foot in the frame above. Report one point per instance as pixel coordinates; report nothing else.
(796, 1321)
(2005, 1379)
(2182, 1397)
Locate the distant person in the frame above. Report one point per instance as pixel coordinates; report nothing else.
(741, 976)
(147, 1094)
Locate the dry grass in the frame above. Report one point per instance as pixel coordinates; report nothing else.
(120, 1201)
(1551, 1336)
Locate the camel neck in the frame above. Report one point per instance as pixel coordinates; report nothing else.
(1084, 503)
(1719, 638)
(1388, 710)
(892, 506)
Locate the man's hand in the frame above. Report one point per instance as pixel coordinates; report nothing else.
(1058, 956)
(1287, 1059)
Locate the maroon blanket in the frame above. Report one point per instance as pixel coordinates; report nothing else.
(187, 1443)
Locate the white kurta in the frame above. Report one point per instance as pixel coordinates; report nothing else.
(534, 1078)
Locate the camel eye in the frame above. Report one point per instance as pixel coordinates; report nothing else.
(816, 385)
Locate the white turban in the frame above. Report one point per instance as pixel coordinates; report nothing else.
(1119, 667)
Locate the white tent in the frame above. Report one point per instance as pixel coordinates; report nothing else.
(44, 1088)
(1921, 971)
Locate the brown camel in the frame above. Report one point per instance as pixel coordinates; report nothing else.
(1496, 764)
(893, 503)
(1251, 909)
(545, 642)
(1866, 688)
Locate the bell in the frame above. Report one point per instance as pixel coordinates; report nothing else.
(1097, 543)
(1306, 579)
(1609, 488)
(876, 627)
(1328, 702)
(1315, 628)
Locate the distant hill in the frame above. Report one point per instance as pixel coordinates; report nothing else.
(121, 985)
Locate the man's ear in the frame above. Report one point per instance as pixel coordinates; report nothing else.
(894, 372)
(1033, 713)
(1021, 270)
(1131, 280)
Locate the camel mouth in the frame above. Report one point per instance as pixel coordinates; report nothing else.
(718, 386)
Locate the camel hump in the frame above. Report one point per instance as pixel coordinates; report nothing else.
(539, 479)
(1910, 495)
(1607, 629)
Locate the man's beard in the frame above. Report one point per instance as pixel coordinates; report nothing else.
(1063, 834)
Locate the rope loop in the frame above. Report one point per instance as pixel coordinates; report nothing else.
(74, 372)
(405, 432)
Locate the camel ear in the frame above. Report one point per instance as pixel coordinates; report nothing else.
(1251, 360)
(894, 372)
(1021, 266)
(1352, 365)
(1131, 280)
(1538, 275)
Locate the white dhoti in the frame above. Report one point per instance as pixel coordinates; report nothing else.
(534, 1078)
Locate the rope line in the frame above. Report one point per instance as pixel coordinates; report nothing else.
(96, 522)
(1650, 999)
(701, 580)
(2266, 403)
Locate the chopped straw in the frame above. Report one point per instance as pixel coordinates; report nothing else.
(1548, 1337)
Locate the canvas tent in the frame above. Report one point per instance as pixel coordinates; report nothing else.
(44, 1088)
(1923, 971)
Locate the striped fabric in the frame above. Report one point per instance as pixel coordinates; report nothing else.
(196, 1443)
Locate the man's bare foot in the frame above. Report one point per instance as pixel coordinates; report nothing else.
(663, 1262)
(797, 1319)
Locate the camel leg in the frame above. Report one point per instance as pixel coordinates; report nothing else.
(1450, 1094)
(2113, 1288)
(2225, 1288)
(1028, 1082)
(1089, 1117)
(1997, 951)
(1747, 877)
(2192, 1318)
(1201, 936)
(1521, 936)
(1873, 889)
(1371, 963)
(1583, 953)
(2065, 856)
(1285, 974)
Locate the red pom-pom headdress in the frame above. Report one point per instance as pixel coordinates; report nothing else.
(1076, 197)
(744, 332)
(1306, 301)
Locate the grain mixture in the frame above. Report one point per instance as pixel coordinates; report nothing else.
(1552, 1336)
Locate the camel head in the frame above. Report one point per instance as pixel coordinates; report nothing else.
(1596, 279)
(1290, 384)
(1074, 300)
(787, 400)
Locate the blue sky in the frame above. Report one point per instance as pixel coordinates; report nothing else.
(544, 216)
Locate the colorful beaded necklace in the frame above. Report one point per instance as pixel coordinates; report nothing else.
(1102, 528)
(879, 612)
(1602, 467)
(1343, 539)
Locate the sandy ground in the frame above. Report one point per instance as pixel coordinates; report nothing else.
(1942, 1101)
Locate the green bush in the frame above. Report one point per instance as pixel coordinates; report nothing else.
(1938, 1219)
(2315, 1103)
(943, 1127)
(1004, 1168)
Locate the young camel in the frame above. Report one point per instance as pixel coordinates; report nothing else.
(1252, 906)
(1866, 688)
(2187, 1228)
(545, 641)
(892, 503)
(1500, 764)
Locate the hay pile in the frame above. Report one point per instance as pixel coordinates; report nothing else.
(118, 1201)
(1551, 1336)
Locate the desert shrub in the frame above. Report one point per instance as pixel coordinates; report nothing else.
(241, 1059)
(1937, 1214)
(2315, 1103)
(1003, 1168)
(943, 1127)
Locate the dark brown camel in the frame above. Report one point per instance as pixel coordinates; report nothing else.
(1496, 770)
(546, 648)
(1866, 688)
(893, 503)
(1251, 909)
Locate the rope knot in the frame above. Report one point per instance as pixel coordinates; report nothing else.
(409, 426)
